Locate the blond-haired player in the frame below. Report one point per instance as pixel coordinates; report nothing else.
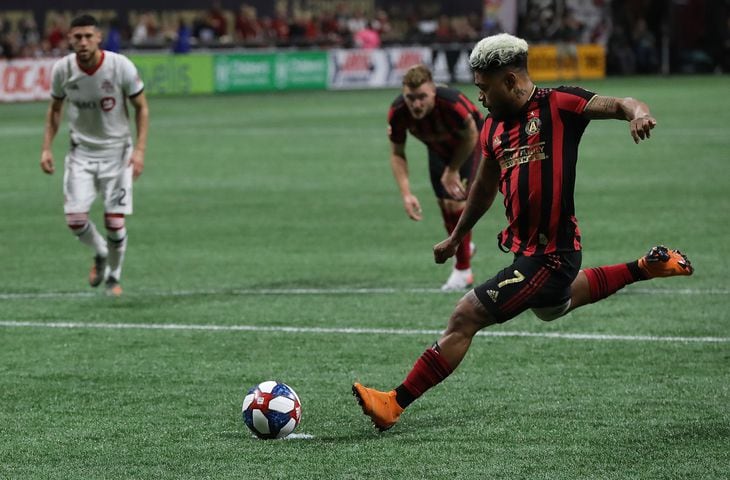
(102, 158)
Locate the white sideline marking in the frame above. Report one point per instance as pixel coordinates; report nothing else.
(321, 291)
(369, 331)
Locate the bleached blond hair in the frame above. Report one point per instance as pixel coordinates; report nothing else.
(497, 51)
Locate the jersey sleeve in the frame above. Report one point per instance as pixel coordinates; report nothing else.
(461, 111)
(396, 126)
(573, 99)
(131, 82)
(58, 79)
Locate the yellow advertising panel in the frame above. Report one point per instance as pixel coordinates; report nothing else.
(552, 62)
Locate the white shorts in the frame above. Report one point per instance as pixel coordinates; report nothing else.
(85, 176)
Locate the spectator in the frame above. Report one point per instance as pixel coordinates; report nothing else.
(182, 43)
(113, 37)
(216, 20)
(367, 37)
(56, 33)
(645, 50)
(248, 27)
(280, 26)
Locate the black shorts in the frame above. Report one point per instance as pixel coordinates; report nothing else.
(437, 165)
(538, 281)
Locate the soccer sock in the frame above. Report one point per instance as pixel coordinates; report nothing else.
(429, 370)
(463, 253)
(605, 281)
(117, 247)
(90, 236)
(117, 237)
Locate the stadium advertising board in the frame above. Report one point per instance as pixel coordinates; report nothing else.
(166, 74)
(566, 62)
(23, 80)
(271, 71)
(373, 68)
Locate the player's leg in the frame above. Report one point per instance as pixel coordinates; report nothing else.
(497, 300)
(594, 284)
(431, 368)
(116, 187)
(116, 232)
(79, 191)
(461, 276)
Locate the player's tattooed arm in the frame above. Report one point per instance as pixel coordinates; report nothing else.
(636, 112)
(603, 107)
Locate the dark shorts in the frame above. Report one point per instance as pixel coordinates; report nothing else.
(437, 165)
(530, 282)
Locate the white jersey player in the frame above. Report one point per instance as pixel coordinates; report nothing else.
(102, 159)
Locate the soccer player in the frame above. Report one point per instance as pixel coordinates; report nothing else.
(448, 124)
(529, 144)
(101, 159)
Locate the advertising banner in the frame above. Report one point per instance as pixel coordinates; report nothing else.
(168, 74)
(547, 63)
(271, 71)
(361, 68)
(23, 80)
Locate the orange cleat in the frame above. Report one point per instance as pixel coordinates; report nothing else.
(96, 274)
(663, 262)
(381, 407)
(113, 288)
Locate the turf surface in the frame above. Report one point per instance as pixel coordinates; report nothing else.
(279, 210)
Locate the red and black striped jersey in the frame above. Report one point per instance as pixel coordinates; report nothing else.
(438, 130)
(537, 151)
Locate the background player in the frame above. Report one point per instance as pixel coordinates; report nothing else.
(96, 84)
(530, 145)
(448, 124)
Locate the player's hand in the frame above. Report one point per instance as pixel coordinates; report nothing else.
(641, 127)
(47, 162)
(137, 163)
(413, 207)
(451, 180)
(445, 250)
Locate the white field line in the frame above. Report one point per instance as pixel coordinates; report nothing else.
(320, 291)
(350, 331)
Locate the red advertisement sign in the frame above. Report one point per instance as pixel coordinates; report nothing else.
(28, 79)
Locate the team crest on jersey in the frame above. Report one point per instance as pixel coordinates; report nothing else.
(107, 86)
(533, 126)
(107, 103)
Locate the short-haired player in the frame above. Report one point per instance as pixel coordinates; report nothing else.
(102, 159)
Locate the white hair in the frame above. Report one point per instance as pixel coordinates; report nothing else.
(496, 50)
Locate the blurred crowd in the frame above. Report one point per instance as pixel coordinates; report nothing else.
(630, 29)
(184, 30)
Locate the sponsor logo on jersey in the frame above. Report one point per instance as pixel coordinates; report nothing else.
(81, 105)
(107, 103)
(524, 154)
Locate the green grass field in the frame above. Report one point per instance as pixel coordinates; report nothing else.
(279, 210)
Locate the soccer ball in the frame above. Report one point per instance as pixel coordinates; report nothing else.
(271, 410)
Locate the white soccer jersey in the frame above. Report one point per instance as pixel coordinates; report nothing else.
(97, 107)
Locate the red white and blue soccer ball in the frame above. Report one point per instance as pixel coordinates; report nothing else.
(271, 410)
